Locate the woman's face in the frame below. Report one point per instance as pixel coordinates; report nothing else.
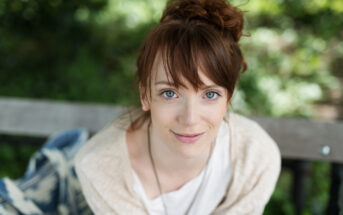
(184, 120)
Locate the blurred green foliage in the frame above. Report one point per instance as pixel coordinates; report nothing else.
(86, 50)
(14, 159)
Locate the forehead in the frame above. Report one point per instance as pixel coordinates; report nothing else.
(160, 73)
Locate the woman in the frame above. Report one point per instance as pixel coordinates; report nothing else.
(184, 154)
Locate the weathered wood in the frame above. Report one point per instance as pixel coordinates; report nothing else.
(305, 139)
(43, 118)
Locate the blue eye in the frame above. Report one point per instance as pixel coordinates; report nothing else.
(168, 94)
(211, 95)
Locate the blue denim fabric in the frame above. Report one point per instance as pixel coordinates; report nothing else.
(50, 184)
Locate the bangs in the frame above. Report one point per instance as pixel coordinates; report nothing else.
(186, 50)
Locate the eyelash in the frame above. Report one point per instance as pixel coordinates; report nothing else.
(167, 90)
(215, 97)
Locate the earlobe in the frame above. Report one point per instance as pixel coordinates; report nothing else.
(144, 100)
(145, 105)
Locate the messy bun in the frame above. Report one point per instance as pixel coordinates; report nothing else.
(223, 16)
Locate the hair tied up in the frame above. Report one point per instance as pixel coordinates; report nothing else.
(222, 15)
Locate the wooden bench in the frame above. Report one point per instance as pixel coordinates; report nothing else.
(300, 141)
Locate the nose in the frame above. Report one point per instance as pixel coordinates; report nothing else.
(188, 113)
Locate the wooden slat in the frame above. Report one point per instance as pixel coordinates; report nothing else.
(297, 138)
(43, 118)
(305, 139)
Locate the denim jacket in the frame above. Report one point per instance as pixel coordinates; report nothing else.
(50, 185)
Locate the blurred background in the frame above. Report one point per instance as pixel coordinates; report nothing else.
(85, 51)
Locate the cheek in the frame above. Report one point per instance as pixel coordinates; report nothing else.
(161, 114)
(215, 113)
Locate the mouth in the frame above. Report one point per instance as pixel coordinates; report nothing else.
(188, 138)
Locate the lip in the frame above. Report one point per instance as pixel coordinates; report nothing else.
(188, 138)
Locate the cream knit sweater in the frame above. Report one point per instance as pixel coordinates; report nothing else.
(104, 171)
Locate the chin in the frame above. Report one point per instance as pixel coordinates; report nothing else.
(192, 150)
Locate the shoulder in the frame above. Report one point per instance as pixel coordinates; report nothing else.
(104, 152)
(103, 170)
(250, 141)
(255, 164)
(101, 144)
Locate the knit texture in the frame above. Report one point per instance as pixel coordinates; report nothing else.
(105, 174)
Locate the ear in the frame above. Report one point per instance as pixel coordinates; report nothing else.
(144, 99)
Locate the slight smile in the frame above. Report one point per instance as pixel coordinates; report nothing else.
(188, 138)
